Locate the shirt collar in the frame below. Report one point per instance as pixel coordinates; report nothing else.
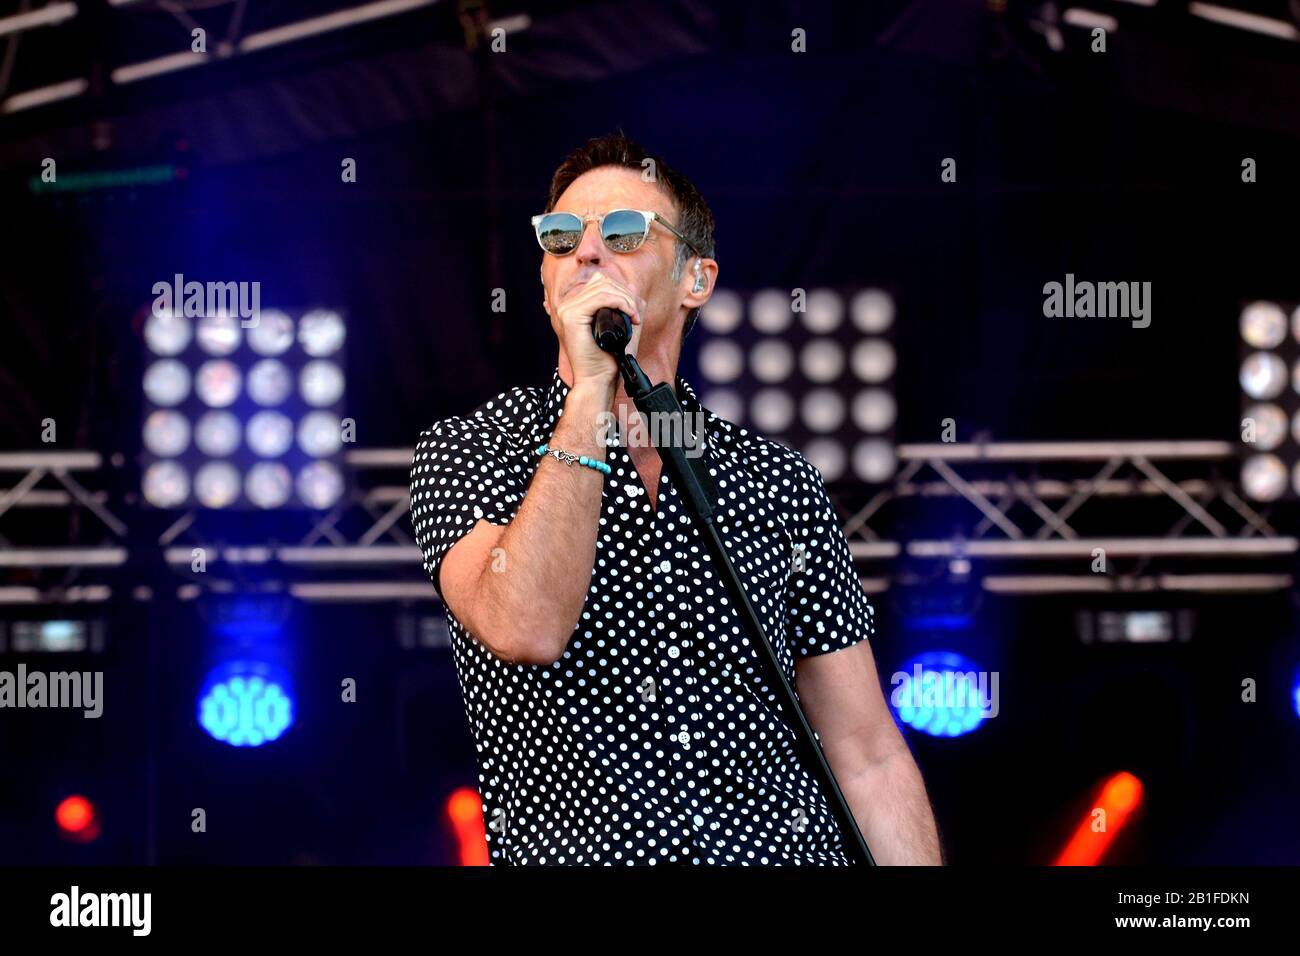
(558, 390)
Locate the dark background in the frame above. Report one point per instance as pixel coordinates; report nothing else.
(821, 169)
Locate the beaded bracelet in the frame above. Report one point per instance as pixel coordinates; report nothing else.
(569, 458)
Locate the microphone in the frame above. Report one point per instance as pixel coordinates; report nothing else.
(612, 330)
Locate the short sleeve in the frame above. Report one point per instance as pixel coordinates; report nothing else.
(826, 607)
(460, 473)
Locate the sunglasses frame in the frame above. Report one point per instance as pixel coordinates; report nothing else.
(650, 217)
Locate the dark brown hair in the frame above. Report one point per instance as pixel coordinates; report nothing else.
(694, 218)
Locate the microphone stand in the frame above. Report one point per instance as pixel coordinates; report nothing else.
(691, 477)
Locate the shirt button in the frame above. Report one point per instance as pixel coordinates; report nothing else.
(673, 652)
(684, 737)
(665, 567)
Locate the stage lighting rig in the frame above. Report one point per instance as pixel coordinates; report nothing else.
(244, 415)
(1269, 379)
(814, 371)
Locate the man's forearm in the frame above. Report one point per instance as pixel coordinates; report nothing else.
(889, 801)
(550, 547)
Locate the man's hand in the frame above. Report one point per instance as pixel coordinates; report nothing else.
(577, 312)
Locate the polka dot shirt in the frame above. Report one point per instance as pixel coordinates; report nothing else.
(655, 738)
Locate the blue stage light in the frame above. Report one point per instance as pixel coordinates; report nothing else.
(1295, 693)
(246, 704)
(942, 694)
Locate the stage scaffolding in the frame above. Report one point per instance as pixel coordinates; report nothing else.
(1026, 518)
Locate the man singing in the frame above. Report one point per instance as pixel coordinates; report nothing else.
(620, 714)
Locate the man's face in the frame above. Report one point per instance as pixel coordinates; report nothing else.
(646, 273)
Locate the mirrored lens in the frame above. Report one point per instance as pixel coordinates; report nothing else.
(559, 232)
(624, 230)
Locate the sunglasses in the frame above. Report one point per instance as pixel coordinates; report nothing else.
(623, 230)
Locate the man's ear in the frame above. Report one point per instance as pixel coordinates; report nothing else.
(708, 272)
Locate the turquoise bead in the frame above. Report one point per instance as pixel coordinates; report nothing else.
(583, 460)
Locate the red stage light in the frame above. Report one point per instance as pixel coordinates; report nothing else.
(465, 811)
(1120, 796)
(77, 818)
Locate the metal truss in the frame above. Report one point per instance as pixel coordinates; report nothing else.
(365, 534)
(1013, 511)
(1035, 503)
(234, 40)
(53, 510)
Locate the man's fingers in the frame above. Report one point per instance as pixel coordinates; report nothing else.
(600, 284)
(587, 304)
